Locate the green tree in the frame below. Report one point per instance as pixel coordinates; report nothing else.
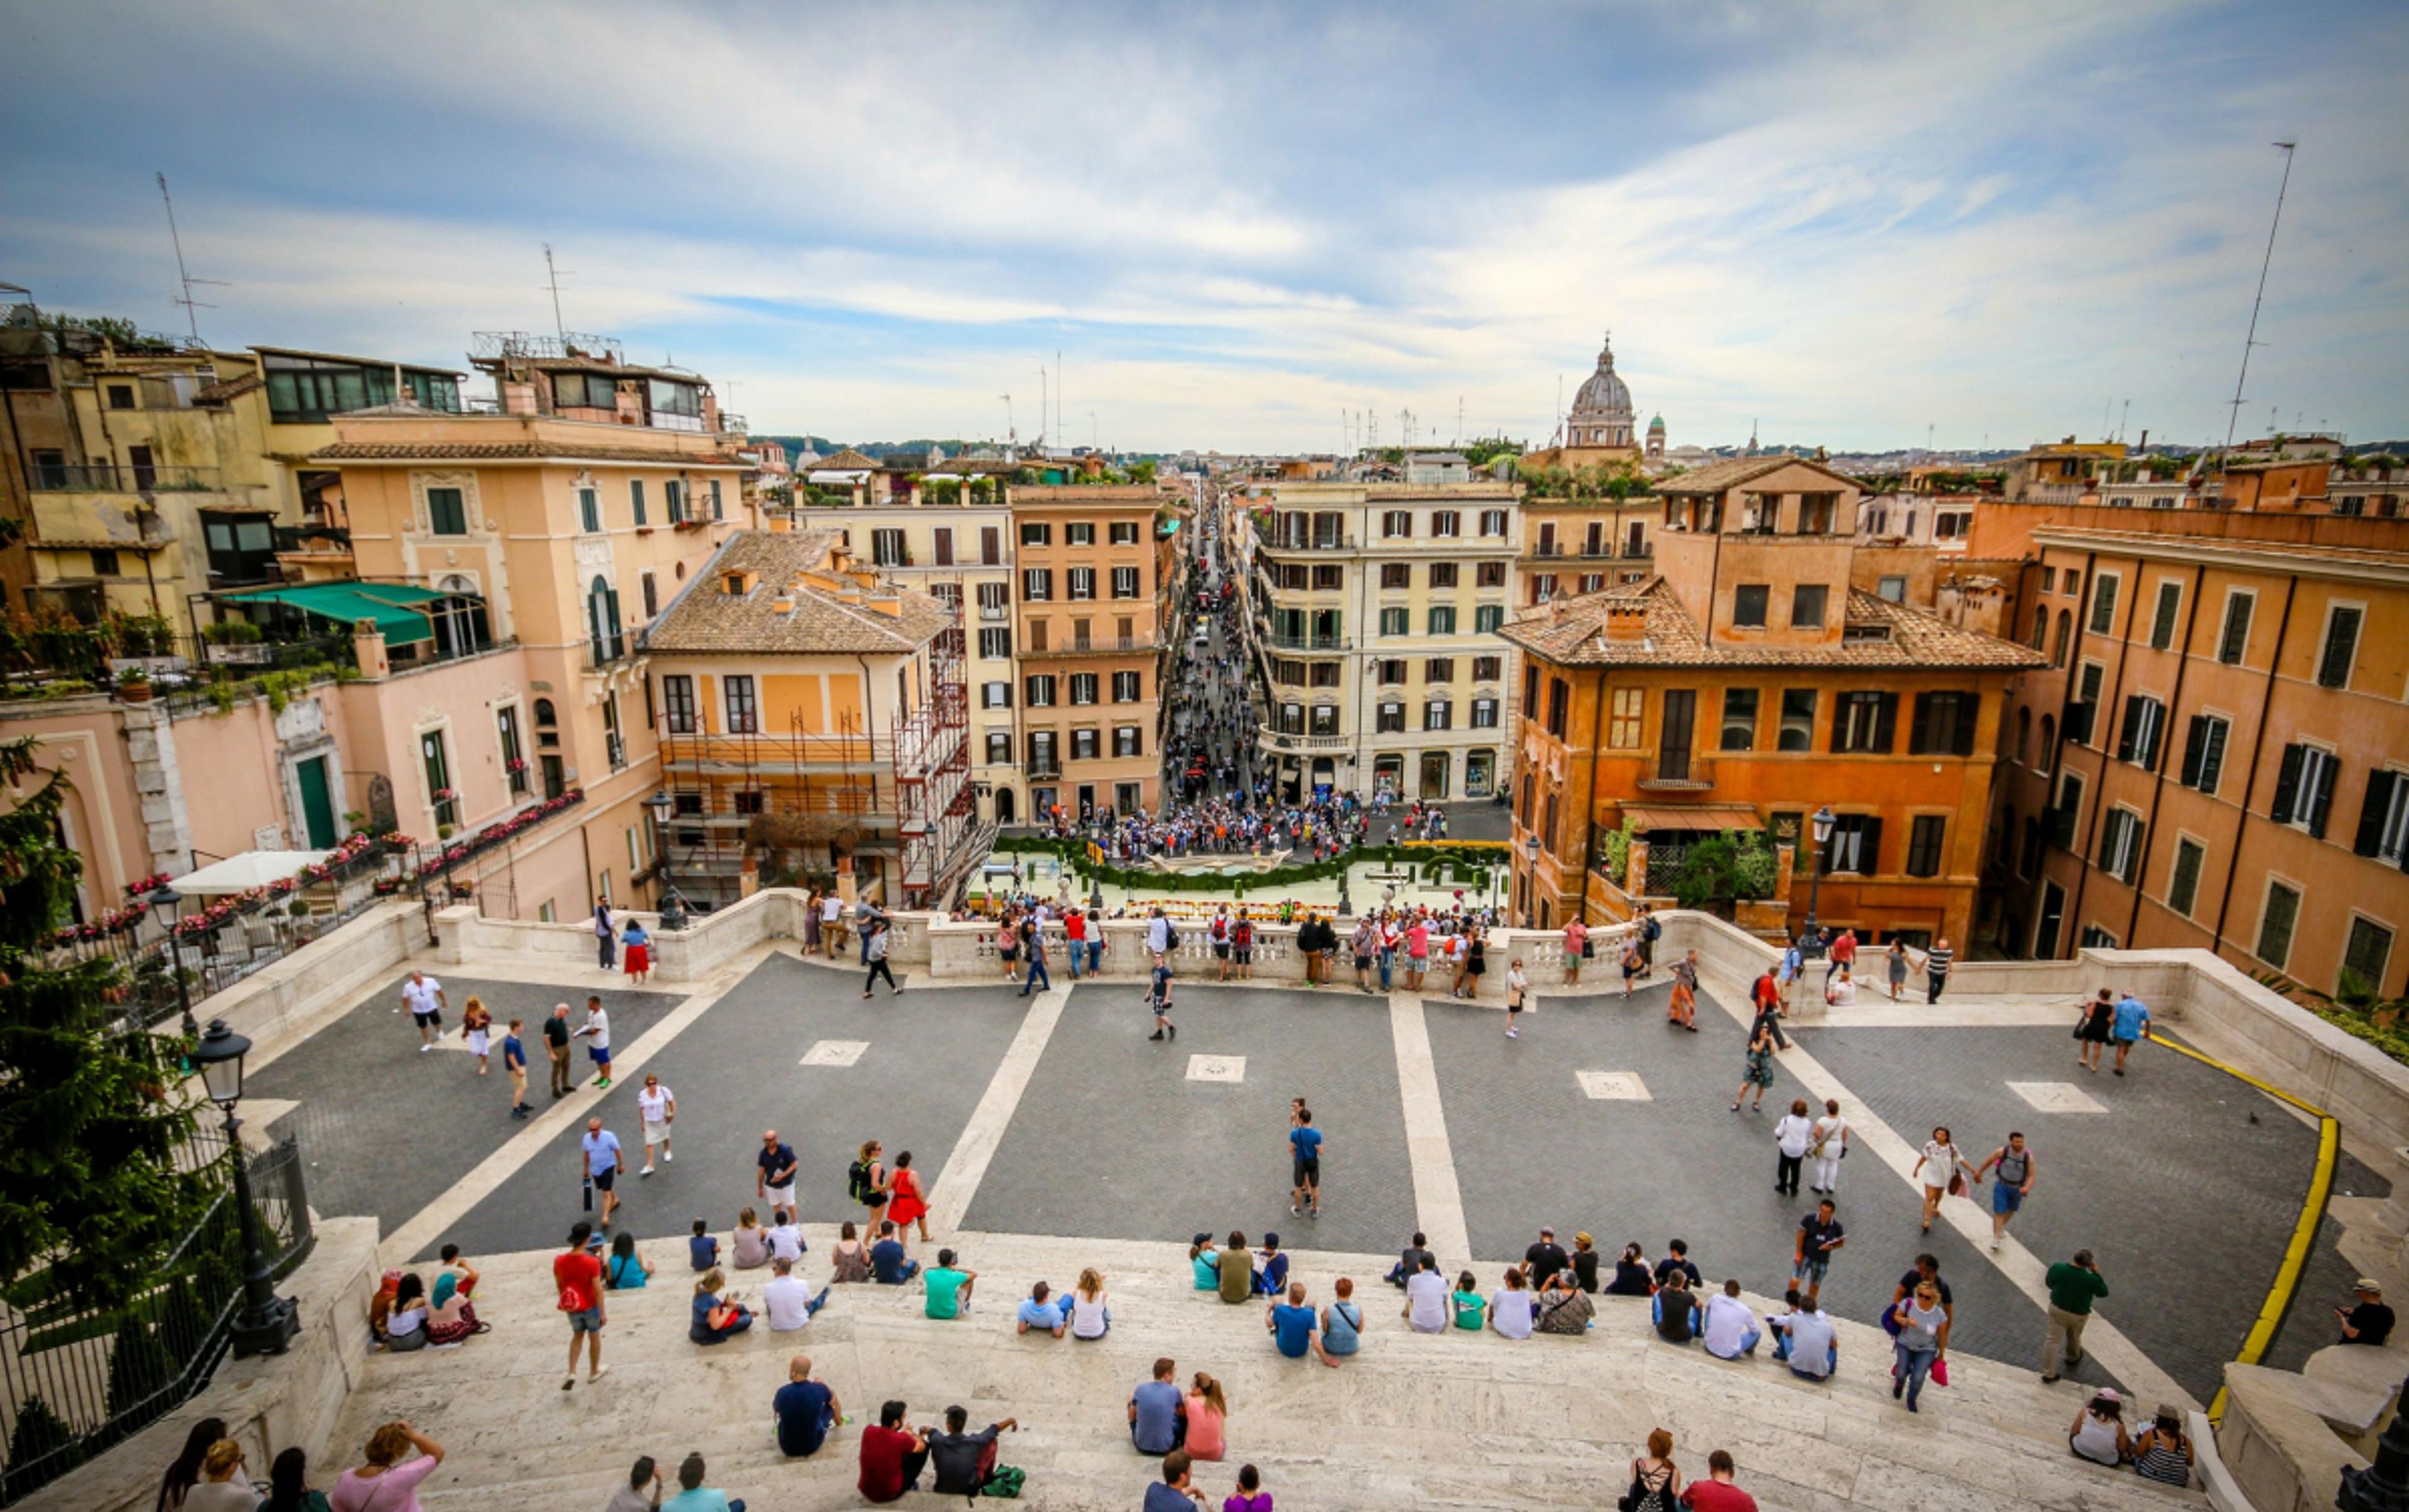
(1489, 449)
(1723, 869)
(38, 1432)
(95, 1110)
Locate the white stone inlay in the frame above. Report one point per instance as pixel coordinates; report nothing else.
(1217, 1068)
(1614, 1086)
(2057, 1097)
(835, 1053)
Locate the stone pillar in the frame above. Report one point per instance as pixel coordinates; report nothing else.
(1785, 861)
(1635, 868)
(368, 650)
(159, 783)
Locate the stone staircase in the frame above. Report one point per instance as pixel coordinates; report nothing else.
(1456, 1420)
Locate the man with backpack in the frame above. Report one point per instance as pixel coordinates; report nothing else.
(1218, 932)
(1650, 932)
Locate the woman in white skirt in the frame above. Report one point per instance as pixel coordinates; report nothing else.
(476, 1028)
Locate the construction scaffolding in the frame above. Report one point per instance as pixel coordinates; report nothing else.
(934, 807)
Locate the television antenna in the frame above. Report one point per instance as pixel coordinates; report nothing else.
(192, 319)
(2233, 419)
(552, 281)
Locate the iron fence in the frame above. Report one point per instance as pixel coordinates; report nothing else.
(75, 1380)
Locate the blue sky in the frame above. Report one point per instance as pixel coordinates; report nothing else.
(1841, 222)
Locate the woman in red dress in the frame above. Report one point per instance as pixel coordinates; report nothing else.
(905, 1204)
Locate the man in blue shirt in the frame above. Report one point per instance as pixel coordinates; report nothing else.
(1295, 1327)
(2132, 1026)
(1173, 1493)
(1157, 1411)
(603, 1163)
(1305, 1162)
(1037, 1312)
(805, 1410)
(886, 1259)
(514, 1061)
(773, 1183)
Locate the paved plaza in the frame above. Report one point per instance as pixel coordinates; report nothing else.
(1056, 1116)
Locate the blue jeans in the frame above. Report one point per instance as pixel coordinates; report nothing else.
(1912, 1366)
(1095, 957)
(1388, 964)
(1075, 948)
(1036, 974)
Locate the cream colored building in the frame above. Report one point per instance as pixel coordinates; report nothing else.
(1375, 608)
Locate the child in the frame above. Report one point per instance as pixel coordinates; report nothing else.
(1516, 984)
(703, 1250)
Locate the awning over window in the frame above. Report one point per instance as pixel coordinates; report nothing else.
(396, 607)
(1645, 817)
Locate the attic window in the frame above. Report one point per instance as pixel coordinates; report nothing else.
(736, 584)
(1865, 634)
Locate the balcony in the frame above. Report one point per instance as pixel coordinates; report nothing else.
(1338, 542)
(1096, 646)
(1680, 773)
(108, 478)
(1271, 740)
(1279, 642)
(605, 652)
(1045, 767)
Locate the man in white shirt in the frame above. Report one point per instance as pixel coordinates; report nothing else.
(596, 1032)
(656, 1106)
(1426, 1299)
(424, 996)
(1158, 935)
(1730, 1329)
(1810, 1343)
(787, 1241)
(788, 1299)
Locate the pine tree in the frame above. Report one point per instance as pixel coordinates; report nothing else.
(95, 1110)
(38, 1433)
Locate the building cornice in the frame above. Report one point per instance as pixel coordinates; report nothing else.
(2341, 563)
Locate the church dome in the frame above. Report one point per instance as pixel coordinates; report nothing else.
(1602, 414)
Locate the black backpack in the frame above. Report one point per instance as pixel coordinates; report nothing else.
(1170, 935)
(857, 1182)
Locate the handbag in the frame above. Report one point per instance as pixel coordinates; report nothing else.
(1956, 1184)
(1588, 950)
(1941, 1371)
(1004, 1482)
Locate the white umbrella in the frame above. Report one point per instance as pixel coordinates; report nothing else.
(252, 869)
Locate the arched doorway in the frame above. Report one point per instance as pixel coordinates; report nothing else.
(1003, 805)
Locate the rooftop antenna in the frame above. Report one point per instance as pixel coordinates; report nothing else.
(2260, 297)
(1059, 429)
(1459, 420)
(2122, 418)
(552, 281)
(1044, 409)
(191, 320)
(1011, 431)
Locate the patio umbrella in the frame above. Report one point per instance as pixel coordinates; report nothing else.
(252, 869)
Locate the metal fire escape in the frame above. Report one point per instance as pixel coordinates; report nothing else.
(934, 806)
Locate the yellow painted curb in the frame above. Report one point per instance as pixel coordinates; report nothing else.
(2304, 1232)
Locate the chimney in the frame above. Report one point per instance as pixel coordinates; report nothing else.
(886, 603)
(782, 605)
(1626, 622)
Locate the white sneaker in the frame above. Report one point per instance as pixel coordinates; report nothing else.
(666, 1155)
(423, 1048)
(646, 1171)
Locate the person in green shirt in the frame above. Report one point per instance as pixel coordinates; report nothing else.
(1237, 1270)
(1468, 1301)
(948, 1287)
(693, 1496)
(2074, 1287)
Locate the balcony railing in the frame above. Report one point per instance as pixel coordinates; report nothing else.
(607, 652)
(108, 478)
(1680, 775)
(1045, 767)
(1274, 739)
(1279, 642)
(1341, 543)
(1095, 645)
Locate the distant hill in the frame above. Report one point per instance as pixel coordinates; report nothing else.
(825, 447)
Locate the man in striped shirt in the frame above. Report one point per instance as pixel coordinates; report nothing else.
(1936, 969)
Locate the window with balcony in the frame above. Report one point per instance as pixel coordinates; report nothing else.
(1291, 719)
(1863, 723)
(1128, 740)
(2277, 916)
(1442, 619)
(1739, 719)
(2304, 788)
(1036, 583)
(1807, 602)
(1125, 583)
(1484, 713)
(1036, 533)
(1798, 731)
(1438, 713)
(1083, 688)
(1038, 688)
(1082, 582)
(1750, 602)
(1392, 719)
(1325, 719)
(1923, 838)
(1394, 620)
(2341, 645)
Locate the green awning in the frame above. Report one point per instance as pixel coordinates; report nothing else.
(394, 606)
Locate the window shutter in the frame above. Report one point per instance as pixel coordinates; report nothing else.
(2195, 747)
(1919, 729)
(2372, 812)
(1969, 713)
(2140, 849)
(1887, 725)
(2129, 737)
(2288, 784)
(1869, 846)
(2333, 775)
(2212, 761)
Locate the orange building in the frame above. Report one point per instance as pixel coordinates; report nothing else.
(1743, 687)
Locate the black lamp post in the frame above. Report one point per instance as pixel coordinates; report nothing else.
(673, 907)
(166, 906)
(2384, 1486)
(1821, 823)
(1530, 883)
(268, 1321)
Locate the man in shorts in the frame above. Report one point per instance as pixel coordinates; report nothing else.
(424, 996)
(2131, 1028)
(1242, 945)
(555, 1043)
(773, 1180)
(656, 1106)
(578, 1273)
(603, 1163)
(1219, 931)
(1158, 996)
(515, 1062)
(1305, 1162)
(1819, 1235)
(596, 1031)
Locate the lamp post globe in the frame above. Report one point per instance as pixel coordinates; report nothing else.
(168, 907)
(266, 1322)
(1820, 825)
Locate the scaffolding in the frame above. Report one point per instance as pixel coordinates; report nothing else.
(934, 806)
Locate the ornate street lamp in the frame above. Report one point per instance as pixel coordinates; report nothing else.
(2384, 1486)
(166, 906)
(268, 1321)
(1821, 823)
(1531, 884)
(673, 906)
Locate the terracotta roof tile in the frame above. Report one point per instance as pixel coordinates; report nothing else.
(1571, 632)
(1716, 477)
(796, 565)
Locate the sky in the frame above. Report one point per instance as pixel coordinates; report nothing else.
(1249, 227)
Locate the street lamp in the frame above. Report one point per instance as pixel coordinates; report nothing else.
(1531, 881)
(1821, 823)
(166, 906)
(2384, 1486)
(268, 1321)
(673, 906)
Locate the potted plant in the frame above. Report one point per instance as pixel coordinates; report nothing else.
(134, 685)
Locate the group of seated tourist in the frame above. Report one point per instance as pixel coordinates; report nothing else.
(404, 1315)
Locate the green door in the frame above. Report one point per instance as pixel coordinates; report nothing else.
(317, 804)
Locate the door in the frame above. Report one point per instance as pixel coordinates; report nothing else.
(1003, 805)
(2053, 918)
(1673, 741)
(317, 803)
(1434, 774)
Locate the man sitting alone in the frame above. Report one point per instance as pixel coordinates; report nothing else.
(805, 1410)
(948, 1287)
(788, 1299)
(1729, 1328)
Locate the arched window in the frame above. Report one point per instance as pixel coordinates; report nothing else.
(2065, 639)
(2041, 626)
(544, 717)
(2023, 734)
(2048, 756)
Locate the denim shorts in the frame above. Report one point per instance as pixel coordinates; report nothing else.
(589, 1321)
(2006, 1198)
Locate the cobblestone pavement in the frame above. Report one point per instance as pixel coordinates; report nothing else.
(384, 1128)
(1113, 1138)
(737, 1071)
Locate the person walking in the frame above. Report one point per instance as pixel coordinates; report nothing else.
(477, 1030)
(865, 1181)
(1935, 969)
(424, 996)
(2013, 1165)
(1944, 1171)
(1305, 1162)
(1842, 954)
(1819, 1236)
(2095, 1029)
(2131, 1028)
(1516, 986)
(606, 943)
(635, 947)
(1037, 957)
(773, 1176)
(1828, 1142)
(577, 1275)
(656, 1109)
(1895, 967)
(1158, 996)
(1760, 1067)
(1577, 949)
(873, 950)
(1792, 1136)
(2073, 1286)
(1916, 1342)
(907, 1206)
(603, 1159)
(595, 1031)
(1682, 1007)
(555, 1044)
(514, 1063)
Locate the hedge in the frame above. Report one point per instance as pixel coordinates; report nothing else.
(1471, 860)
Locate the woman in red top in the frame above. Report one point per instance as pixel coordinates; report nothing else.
(905, 1203)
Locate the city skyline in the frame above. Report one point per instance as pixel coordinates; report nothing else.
(1837, 224)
